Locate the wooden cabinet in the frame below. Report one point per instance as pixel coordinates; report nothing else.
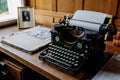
(106, 6)
(118, 11)
(15, 70)
(48, 18)
(117, 20)
(18, 71)
(45, 5)
(70, 6)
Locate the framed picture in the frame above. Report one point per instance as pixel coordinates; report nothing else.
(26, 17)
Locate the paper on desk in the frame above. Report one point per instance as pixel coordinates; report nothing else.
(111, 71)
(88, 16)
(30, 40)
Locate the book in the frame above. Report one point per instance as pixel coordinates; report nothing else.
(30, 40)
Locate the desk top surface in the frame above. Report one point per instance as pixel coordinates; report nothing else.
(32, 61)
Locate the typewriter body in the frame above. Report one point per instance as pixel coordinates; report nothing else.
(73, 43)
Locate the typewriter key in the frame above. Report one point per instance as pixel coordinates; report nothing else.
(75, 64)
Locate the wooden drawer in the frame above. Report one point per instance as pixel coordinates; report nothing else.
(15, 70)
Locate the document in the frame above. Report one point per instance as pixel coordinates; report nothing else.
(88, 19)
(30, 40)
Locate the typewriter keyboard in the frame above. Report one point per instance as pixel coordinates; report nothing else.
(62, 57)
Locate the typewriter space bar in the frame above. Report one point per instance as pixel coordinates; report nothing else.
(58, 63)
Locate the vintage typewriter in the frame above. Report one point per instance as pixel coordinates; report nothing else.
(77, 39)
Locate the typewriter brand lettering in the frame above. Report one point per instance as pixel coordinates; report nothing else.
(67, 46)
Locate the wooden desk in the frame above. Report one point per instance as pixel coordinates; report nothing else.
(51, 72)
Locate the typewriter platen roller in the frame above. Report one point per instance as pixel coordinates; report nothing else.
(77, 39)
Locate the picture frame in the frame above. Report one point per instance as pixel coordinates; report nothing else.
(25, 17)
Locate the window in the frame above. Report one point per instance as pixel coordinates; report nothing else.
(8, 10)
(3, 6)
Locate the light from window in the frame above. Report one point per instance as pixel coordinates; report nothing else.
(3, 6)
(8, 11)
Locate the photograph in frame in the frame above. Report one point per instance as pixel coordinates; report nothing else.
(26, 17)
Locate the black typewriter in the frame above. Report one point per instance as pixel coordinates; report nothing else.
(73, 44)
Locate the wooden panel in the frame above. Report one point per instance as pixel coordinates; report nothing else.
(44, 20)
(69, 5)
(112, 7)
(117, 22)
(46, 17)
(46, 5)
(118, 14)
(107, 6)
(26, 2)
(32, 3)
(51, 13)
